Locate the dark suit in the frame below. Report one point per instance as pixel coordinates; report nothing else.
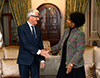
(28, 49)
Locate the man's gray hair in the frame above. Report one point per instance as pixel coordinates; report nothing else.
(32, 12)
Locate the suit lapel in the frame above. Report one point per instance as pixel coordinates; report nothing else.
(28, 30)
(30, 33)
(37, 34)
(36, 31)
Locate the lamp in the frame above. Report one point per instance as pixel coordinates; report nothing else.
(94, 36)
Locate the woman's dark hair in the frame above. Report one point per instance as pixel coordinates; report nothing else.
(78, 18)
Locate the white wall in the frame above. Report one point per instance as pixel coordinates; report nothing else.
(59, 3)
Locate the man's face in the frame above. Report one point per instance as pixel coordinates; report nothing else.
(34, 18)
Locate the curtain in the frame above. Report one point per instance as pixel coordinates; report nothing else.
(74, 5)
(1, 6)
(86, 28)
(98, 5)
(19, 9)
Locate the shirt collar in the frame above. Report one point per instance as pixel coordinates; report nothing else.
(29, 24)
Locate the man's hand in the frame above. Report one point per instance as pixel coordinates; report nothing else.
(44, 53)
(69, 68)
(42, 65)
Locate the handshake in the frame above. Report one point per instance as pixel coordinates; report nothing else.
(44, 52)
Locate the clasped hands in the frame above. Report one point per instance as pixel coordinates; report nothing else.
(44, 52)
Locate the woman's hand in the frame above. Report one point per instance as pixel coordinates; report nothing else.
(69, 68)
(47, 49)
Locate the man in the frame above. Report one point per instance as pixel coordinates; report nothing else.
(31, 46)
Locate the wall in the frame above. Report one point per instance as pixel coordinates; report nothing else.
(59, 3)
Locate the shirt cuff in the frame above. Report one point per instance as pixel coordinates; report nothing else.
(42, 61)
(39, 51)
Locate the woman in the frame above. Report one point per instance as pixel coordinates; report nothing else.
(72, 45)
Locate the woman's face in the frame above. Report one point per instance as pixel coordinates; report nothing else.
(70, 23)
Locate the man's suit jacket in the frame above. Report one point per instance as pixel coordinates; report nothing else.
(28, 47)
(75, 47)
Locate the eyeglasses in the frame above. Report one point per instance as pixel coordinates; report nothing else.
(35, 16)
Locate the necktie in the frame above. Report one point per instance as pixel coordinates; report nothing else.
(34, 35)
(33, 32)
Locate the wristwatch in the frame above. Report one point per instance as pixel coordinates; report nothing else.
(71, 64)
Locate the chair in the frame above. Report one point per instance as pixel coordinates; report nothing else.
(46, 44)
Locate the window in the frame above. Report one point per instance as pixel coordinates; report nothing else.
(9, 27)
(50, 21)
